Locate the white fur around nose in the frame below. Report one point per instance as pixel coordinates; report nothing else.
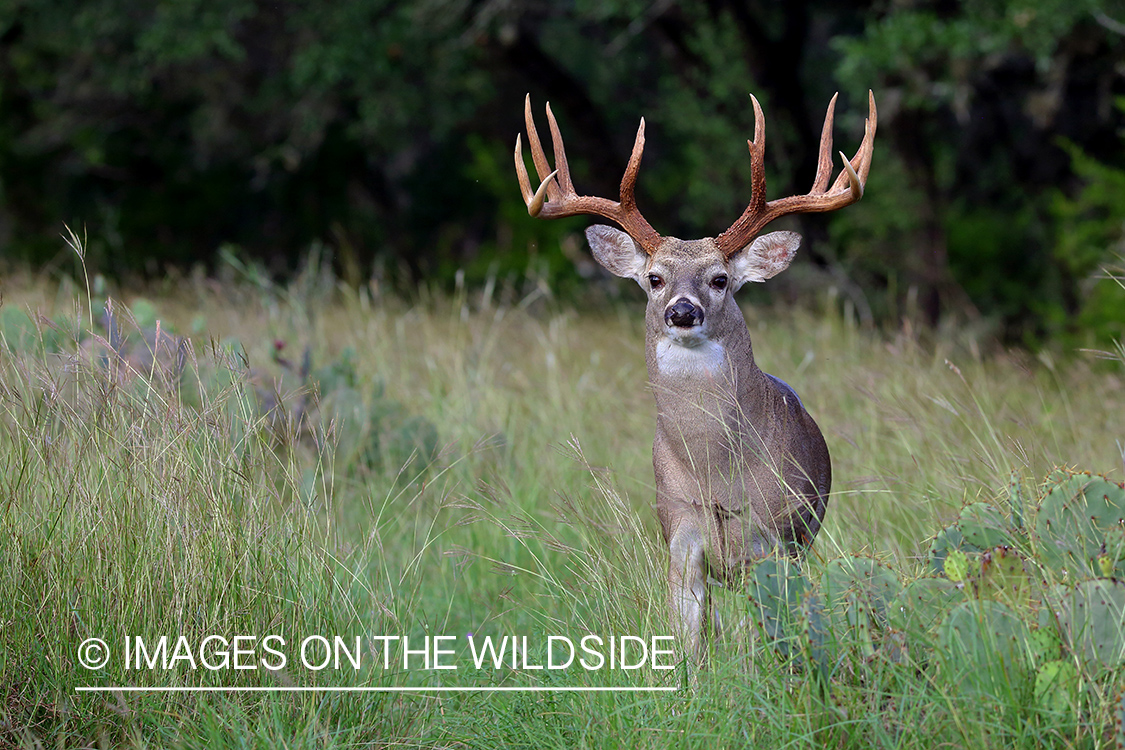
(690, 359)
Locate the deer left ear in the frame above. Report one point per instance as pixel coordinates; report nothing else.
(764, 258)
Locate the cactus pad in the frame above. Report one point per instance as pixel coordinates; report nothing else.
(776, 588)
(1115, 552)
(1003, 577)
(1044, 645)
(860, 582)
(1074, 517)
(816, 636)
(984, 526)
(1056, 686)
(1092, 621)
(923, 604)
(947, 540)
(957, 566)
(985, 646)
(1015, 500)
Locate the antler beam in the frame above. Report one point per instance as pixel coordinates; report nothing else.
(556, 197)
(847, 189)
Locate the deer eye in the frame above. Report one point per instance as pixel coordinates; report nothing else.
(655, 281)
(719, 282)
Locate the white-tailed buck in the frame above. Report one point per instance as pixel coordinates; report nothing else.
(741, 467)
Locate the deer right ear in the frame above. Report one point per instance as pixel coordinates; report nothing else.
(765, 257)
(617, 252)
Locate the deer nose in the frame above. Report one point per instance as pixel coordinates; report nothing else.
(683, 314)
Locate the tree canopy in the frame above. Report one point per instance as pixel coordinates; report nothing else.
(383, 130)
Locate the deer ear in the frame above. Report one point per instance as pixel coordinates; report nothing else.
(617, 252)
(764, 258)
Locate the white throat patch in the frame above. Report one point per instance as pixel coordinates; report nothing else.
(673, 359)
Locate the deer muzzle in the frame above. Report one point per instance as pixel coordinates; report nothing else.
(683, 314)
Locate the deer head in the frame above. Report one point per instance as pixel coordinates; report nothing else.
(688, 281)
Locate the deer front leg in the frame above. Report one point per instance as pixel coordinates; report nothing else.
(687, 586)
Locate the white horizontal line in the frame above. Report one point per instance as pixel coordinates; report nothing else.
(466, 689)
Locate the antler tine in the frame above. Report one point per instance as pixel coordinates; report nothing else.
(566, 187)
(521, 173)
(629, 179)
(860, 164)
(534, 201)
(537, 154)
(869, 125)
(824, 163)
(757, 160)
(847, 189)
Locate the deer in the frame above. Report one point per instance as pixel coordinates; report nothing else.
(741, 468)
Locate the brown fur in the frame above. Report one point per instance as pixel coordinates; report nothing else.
(741, 468)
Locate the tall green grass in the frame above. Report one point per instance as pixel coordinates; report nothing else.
(146, 491)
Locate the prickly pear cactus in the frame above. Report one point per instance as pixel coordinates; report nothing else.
(1060, 562)
(1091, 620)
(1004, 578)
(948, 540)
(1044, 645)
(1056, 686)
(1074, 517)
(862, 582)
(984, 647)
(921, 606)
(978, 528)
(816, 642)
(957, 566)
(985, 527)
(858, 591)
(1105, 566)
(918, 611)
(776, 588)
(1112, 559)
(1015, 500)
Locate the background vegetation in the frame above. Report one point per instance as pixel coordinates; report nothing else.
(326, 461)
(382, 132)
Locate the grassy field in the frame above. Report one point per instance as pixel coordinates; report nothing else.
(462, 467)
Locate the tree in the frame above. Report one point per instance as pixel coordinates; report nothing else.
(384, 130)
(977, 96)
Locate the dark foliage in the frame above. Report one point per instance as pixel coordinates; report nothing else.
(384, 129)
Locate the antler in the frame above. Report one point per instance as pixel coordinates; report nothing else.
(561, 200)
(847, 189)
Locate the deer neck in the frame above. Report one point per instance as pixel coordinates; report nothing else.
(706, 386)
